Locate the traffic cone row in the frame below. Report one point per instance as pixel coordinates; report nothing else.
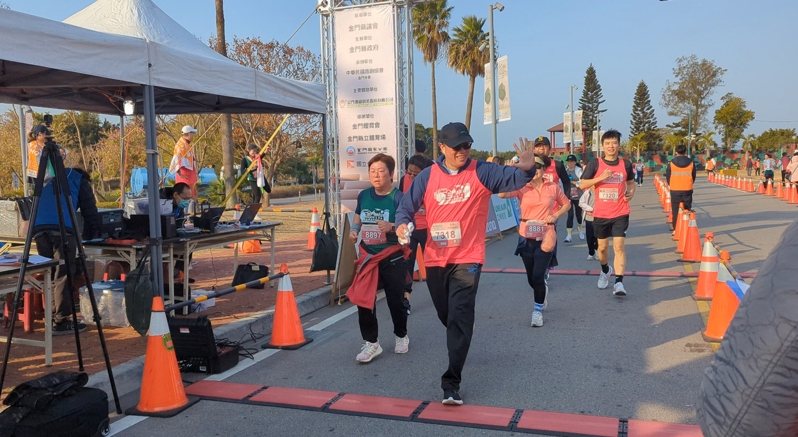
(785, 190)
(162, 393)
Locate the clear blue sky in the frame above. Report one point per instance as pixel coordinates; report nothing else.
(550, 43)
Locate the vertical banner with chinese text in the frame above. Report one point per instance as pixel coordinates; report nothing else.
(365, 72)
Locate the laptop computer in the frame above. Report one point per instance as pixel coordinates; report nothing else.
(209, 218)
(249, 214)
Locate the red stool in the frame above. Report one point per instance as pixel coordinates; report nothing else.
(32, 308)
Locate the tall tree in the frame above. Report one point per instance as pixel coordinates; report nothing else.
(469, 51)
(227, 119)
(644, 121)
(430, 30)
(732, 118)
(772, 139)
(590, 103)
(689, 96)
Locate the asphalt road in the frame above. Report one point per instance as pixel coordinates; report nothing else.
(639, 357)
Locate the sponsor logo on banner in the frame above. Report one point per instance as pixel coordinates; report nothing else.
(365, 68)
(503, 211)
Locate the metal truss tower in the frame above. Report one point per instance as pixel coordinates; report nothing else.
(405, 119)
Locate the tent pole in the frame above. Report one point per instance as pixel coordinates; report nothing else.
(23, 145)
(122, 161)
(324, 159)
(156, 254)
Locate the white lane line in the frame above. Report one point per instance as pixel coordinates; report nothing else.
(125, 423)
(129, 421)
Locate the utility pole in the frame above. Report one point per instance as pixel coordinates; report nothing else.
(690, 133)
(493, 116)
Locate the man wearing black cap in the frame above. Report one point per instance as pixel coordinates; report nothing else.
(455, 192)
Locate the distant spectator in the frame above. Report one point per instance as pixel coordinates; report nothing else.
(785, 162)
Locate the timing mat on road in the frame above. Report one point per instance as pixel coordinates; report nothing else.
(582, 272)
(476, 416)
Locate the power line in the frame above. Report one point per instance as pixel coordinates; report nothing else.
(300, 26)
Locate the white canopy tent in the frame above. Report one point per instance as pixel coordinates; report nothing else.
(52, 64)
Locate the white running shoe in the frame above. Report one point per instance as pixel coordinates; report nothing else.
(402, 345)
(591, 257)
(618, 290)
(581, 235)
(567, 239)
(604, 279)
(368, 352)
(537, 319)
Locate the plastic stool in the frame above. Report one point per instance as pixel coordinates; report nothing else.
(32, 308)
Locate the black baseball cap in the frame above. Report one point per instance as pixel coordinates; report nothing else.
(541, 141)
(454, 134)
(39, 129)
(571, 158)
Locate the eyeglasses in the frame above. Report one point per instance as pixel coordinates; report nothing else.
(464, 146)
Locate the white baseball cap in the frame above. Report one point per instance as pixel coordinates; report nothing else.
(187, 129)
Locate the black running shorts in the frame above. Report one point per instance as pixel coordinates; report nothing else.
(614, 227)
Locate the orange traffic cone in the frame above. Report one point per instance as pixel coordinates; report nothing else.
(287, 330)
(793, 193)
(692, 244)
(162, 392)
(785, 193)
(314, 226)
(769, 189)
(681, 229)
(708, 272)
(676, 235)
(420, 273)
(726, 300)
(779, 191)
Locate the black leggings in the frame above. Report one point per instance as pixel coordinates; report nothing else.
(574, 209)
(417, 239)
(392, 278)
(536, 266)
(592, 241)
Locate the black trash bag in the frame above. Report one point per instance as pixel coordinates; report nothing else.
(138, 296)
(325, 254)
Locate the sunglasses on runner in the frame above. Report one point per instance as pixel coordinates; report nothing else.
(464, 146)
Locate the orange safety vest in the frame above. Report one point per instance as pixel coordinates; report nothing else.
(34, 154)
(681, 178)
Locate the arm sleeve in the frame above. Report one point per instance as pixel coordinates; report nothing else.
(694, 166)
(590, 170)
(501, 179)
(562, 173)
(412, 200)
(629, 173)
(397, 200)
(88, 209)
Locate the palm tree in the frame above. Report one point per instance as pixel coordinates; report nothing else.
(430, 24)
(469, 51)
(707, 141)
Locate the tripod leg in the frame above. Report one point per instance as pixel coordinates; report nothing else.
(61, 191)
(61, 172)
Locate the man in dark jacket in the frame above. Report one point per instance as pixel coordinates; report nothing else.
(680, 175)
(48, 240)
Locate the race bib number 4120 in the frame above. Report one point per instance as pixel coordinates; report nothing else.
(446, 234)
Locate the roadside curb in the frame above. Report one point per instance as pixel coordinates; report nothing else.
(127, 375)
